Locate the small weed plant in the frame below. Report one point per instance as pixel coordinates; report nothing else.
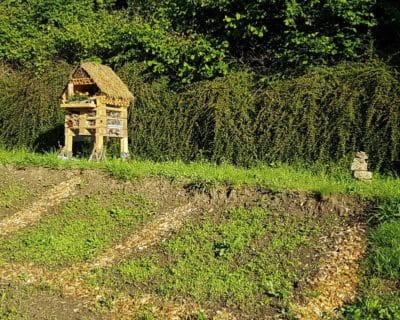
(387, 209)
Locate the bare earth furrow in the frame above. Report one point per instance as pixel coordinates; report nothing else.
(336, 281)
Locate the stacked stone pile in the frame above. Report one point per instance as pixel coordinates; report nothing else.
(360, 166)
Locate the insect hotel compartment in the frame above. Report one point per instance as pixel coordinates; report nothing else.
(96, 102)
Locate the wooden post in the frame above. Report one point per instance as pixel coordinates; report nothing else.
(98, 149)
(124, 130)
(124, 148)
(70, 90)
(99, 143)
(69, 139)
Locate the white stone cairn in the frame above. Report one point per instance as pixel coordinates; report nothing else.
(360, 167)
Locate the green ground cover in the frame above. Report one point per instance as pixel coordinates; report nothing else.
(10, 195)
(324, 180)
(379, 295)
(242, 259)
(77, 231)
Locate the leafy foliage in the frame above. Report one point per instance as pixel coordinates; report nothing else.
(278, 32)
(37, 31)
(187, 40)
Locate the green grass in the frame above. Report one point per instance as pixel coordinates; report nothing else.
(386, 209)
(384, 258)
(80, 230)
(375, 307)
(324, 181)
(379, 293)
(11, 195)
(246, 259)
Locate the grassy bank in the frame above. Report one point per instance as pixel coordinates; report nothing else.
(322, 180)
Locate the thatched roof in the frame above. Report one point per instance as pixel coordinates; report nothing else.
(106, 79)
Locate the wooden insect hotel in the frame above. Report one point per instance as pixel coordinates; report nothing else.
(96, 103)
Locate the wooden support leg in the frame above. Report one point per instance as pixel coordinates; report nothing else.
(99, 142)
(98, 149)
(69, 138)
(124, 148)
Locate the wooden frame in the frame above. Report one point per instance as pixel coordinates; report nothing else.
(100, 116)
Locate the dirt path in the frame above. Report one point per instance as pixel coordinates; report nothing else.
(37, 209)
(336, 281)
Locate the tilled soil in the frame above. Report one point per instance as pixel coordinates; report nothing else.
(33, 183)
(335, 281)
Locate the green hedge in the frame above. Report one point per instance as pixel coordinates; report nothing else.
(29, 108)
(323, 116)
(329, 113)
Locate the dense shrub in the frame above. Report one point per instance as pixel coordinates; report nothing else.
(329, 113)
(209, 120)
(323, 116)
(29, 109)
